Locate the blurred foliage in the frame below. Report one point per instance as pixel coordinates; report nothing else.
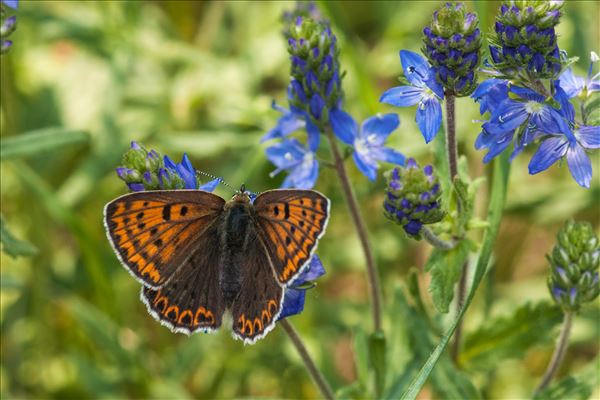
(83, 79)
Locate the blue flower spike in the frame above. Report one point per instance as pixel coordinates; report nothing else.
(147, 170)
(423, 90)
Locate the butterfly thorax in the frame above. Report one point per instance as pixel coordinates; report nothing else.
(237, 232)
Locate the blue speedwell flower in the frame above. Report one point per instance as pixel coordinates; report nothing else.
(565, 143)
(295, 293)
(368, 141)
(147, 170)
(11, 3)
(577, 86)
(423, 90)
(528, 109)
(300, 162)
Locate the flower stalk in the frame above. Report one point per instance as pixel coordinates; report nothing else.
(435, 241)
(309, 363)
(559, 352)
(374, 286)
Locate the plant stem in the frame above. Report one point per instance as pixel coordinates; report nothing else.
(559, 352)
(361, 229)
(451, 146)
(310, 365)
(435, 241)
(452, 149)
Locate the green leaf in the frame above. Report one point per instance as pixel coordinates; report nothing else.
(40, 141)
(567, 388)
(511, 336)
(497, 200)
(377, 358)
(445, 267)
(11, 245)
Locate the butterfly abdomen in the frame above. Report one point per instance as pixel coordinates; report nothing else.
(236, 228)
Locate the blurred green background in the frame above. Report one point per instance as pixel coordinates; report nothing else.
(199, 77)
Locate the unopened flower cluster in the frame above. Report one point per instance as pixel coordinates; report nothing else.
(574, 265)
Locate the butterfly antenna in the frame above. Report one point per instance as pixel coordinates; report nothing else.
(221, 181)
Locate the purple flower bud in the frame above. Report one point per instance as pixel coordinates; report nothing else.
(495, 53)
(503, 9)
(428, 170)
(136, 187)
(396, 174)
(413, 227)
(511, 32)
(135, 145)
(298, 91)
(411, 163)
(405, 203)
(469, 19)
(537, 62)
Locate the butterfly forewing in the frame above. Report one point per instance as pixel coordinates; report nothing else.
(192, 299)
(290, 223)
(258, 304)
(154, 233)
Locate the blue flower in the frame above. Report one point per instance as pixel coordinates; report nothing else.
(300, 162)
(529, 109)
(424, 91)
(368, 142)
(293, 299)
(11, 3)
(147, 170)
(490, 93)
(290, 122)
(187, 173)
(576, 85)
(572, 145)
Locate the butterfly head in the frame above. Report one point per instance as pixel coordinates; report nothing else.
(242, 195)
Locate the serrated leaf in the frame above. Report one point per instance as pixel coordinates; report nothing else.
(511, 335)
(40, 141)
(445, 267)
(11, 245)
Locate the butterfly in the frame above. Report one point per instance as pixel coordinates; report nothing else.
(198, 255)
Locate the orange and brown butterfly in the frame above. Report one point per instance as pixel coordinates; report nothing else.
(198, 255)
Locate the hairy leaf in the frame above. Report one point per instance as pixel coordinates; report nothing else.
(445, 267)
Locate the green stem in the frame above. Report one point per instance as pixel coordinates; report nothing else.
(559, 352)
(375, 289)
(435, 241)
(310, 365)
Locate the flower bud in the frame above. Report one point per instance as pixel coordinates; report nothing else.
(412, 197)
(525, 40)
(574, 265)
(452, 44)
(315, 87)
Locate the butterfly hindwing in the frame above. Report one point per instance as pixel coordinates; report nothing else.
(290, 223)
(258, 304)
(154, 233)
(192, 299)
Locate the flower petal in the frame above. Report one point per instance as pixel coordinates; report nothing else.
(314, 270)
(343, 125)
(388, 155)
(588, 136)
(550, 151)
(579, 165)
(313, 135)
(288, 123)
(210, 186)
(11, 3)
(416, 68)
(498, 145)
(365, 166)
(293, 302)
(377, 128)
(429, 118)
(571, 84)
(402, 96)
